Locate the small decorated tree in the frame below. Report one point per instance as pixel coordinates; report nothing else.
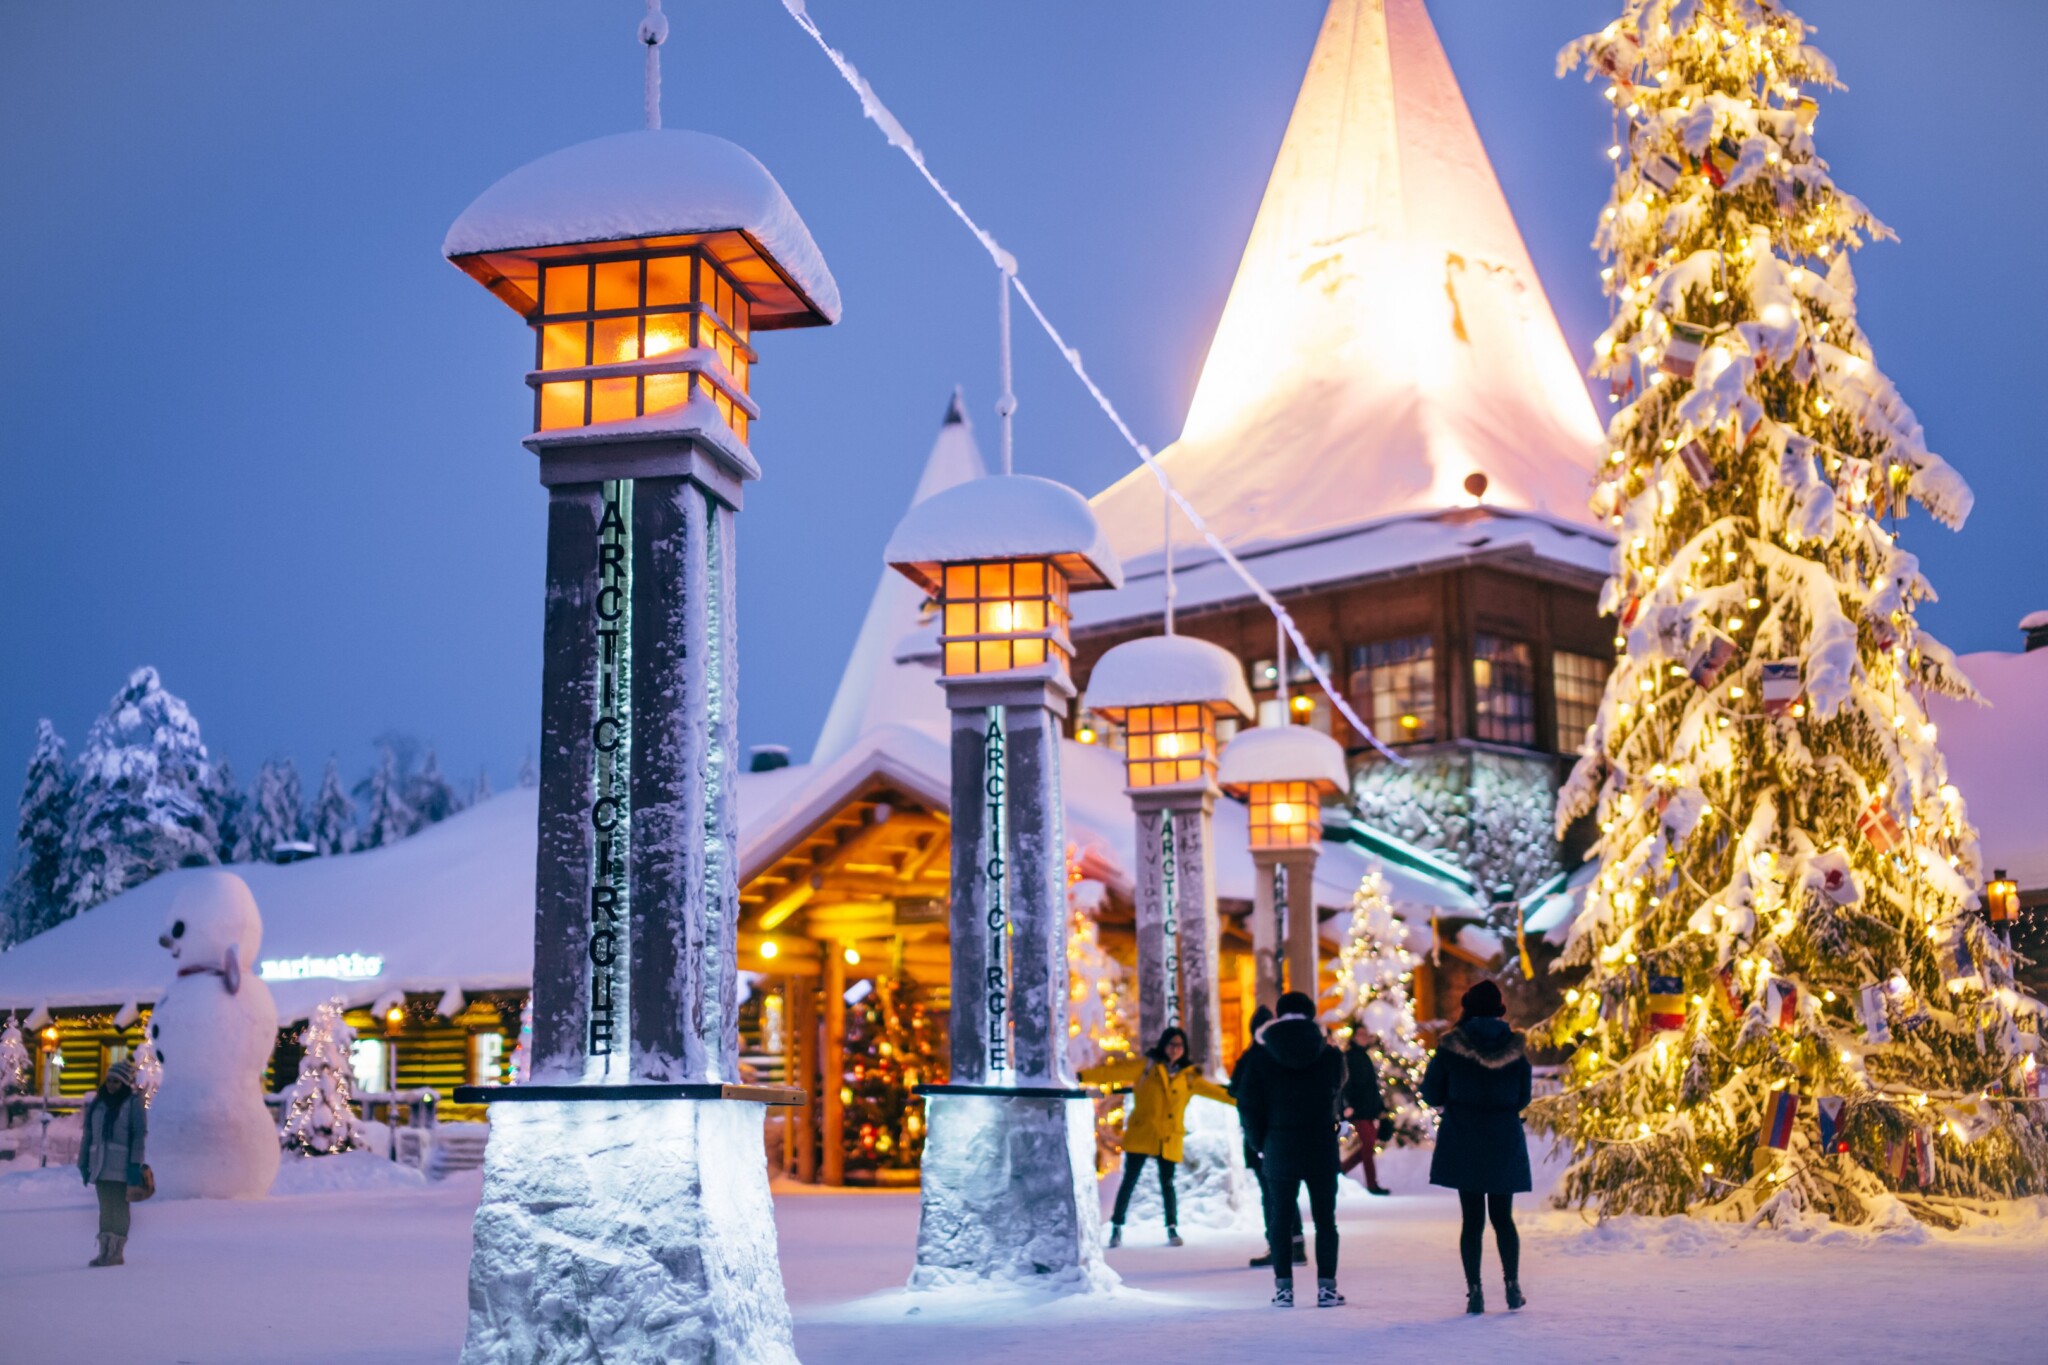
(318, 1120)
(14, 1067)
(149, 1069)
(1374, 970)
(1098, 1002)
(892, 1046)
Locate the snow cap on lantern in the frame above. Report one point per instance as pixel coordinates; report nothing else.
(645, 262)
(1000, 554)
(1285, 772)
(1168, 691)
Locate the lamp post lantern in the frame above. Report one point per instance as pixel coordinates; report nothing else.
(630, 1164)
(1284, 773)
(1168, 692)
(1008, 1167)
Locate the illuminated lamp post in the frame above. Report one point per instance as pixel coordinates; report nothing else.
(1168, 692)
(1284, 773)
(629, 1165)
(1009, 1169)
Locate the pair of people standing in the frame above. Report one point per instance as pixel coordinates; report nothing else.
(1163, 1082)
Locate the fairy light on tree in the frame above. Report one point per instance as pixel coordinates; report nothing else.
(1373, 974)
(1792, 1003)
(318, 1120)
(16, 1066)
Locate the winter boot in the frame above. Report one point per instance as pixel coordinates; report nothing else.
(1377, 1189)
(101, 1257)
(1262, 1262)
(1173, 1238)
(1475, 1298)
(1116, 1235)
(1327, 1295)
(114, 1245)
(1300, 1251)
(1515, 1299)
(1283, 1293)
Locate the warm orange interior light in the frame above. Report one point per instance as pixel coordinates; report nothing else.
(1004, 615)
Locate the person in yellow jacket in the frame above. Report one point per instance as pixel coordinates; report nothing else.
(1164, 1081)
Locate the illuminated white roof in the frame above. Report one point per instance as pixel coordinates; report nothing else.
(1386, 335)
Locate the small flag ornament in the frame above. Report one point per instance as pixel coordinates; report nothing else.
(1962, 965)
(1730, 991)
(1663, 171)
(1682, 351)
(1779, 1112)
(1781, 1004)
(1699, 465)
(1878, 825)
(1667, 1002)
(1876, 1027)
(1828, 1110)
(2030, 1079)
(1710, 658)
(1781, 686)
(1829, 874)
(1719, 162)
(1852, 481)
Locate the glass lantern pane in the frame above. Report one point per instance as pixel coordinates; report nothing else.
(561, 405)
(1138, 746)
(562, 345)
(1030, 579)
(995, 656)
(667, 333)
(1190, 770)
(743, 318)
(1029, 615)
(566, 290)
(613, 400)
(613, 340)
(959, 659)
(667, 392)
(997, 618)
(959, 618)
(995, 580)
(960, 583)
(741, 424)
(618, 284)
(668, 280)
(1030, 653)
(1139, 774)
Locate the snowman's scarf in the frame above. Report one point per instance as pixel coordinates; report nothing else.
(230, 971)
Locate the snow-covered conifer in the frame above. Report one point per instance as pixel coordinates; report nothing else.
(31, 902)
(143, 800)
(388, 818)
(1098, 1004)
(1792, 1006)
(480, 791)
(332, 825)
(317, 1118)
(14, 1060)
(149, 1069)
(276, 815)
(229, 806)
(428, 794)
(1373, 971)
(529, 776)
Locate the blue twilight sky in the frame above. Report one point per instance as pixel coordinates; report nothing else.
(259, 434)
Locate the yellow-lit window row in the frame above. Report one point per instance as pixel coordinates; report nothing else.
(611, 341)
(1285, 815)
(1026, 598)
(656, 282)
(580, 402)
(1164, 745)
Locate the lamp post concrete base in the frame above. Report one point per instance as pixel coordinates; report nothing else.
(626, 1230)
(1009, 1194)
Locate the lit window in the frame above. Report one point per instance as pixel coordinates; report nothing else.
(1164, 745)
(1005, 615)
(486, 1058)
(1393, 685)
(1579, 681)
(1285, 814)
(370, 1059)
(1301, 682)
(1504, 690)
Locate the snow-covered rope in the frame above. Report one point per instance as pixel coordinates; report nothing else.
(899, 138)
(1006, 398)
(653, 33)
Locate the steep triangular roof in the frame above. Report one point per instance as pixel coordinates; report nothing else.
(876, 689)
(1386, 335)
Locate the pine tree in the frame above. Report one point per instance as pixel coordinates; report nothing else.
(277, 816)
(230, 810)
(14, 1061)
(892, 1046)
(389, 818)
(318, 1120)
(1098, 1002)
(144, 799)
(1791, 1008)
(31, 902)
(529, 776)
(429, 795)
(1374, 969)
(480, 792)
(332, 827)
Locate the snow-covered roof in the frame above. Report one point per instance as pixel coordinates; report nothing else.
(1997, 755)
(639, 186)
(1282, 753)
(1164, 670)
(1402, 544)
(879, 686)
(1386, 336)
(1004, 516)
(2034, 620)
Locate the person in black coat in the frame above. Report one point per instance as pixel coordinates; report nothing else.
(1288, 1101)
(1261, 1017)
(1478, 1080)
(1366, 1108)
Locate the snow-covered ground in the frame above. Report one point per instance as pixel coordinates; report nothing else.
(353, 1260)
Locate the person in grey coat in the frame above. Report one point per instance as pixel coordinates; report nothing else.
(110, 1154)
(1478, 1080)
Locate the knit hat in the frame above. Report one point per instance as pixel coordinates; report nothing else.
(1484, 1001)
(1297, 1004)
(122, 1071)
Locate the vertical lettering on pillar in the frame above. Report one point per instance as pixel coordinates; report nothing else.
(996, 993)
(1280, 925)
(611, 775)
(1169, 919)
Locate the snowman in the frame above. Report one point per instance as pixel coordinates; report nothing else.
(210, 1134)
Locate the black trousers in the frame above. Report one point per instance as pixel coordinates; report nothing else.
(1286, 1173)
(1134, 1163)
(1476, 1207)
(1293, 1210)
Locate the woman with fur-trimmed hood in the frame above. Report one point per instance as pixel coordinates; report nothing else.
(1478, 1080)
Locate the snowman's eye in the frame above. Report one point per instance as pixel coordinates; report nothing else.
(155, 1032)
(178, 929)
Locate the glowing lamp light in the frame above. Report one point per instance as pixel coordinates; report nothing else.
(2002, 897)
(1284, 773)
(1168, 692)
(50, 1035)
(852, 956)
(769, 948)
(1000, 555)
(395, 1016)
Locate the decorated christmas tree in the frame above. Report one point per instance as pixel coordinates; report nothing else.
(1099, 1007)
(1793, 1007)
(1374, 969)
(317, 1118)
(149, 1069)
(892, 1045)
(14, 1061)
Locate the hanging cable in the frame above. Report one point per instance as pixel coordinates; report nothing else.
(1166, 540)
(899, 138)
(653, 33)
(1006, 400)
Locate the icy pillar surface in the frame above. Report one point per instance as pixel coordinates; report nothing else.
(1303, 943)
(1178, 933)
(1037, 866)
(1009, 1194)
(626, 1231)
(977, 798)
(1265, 928)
